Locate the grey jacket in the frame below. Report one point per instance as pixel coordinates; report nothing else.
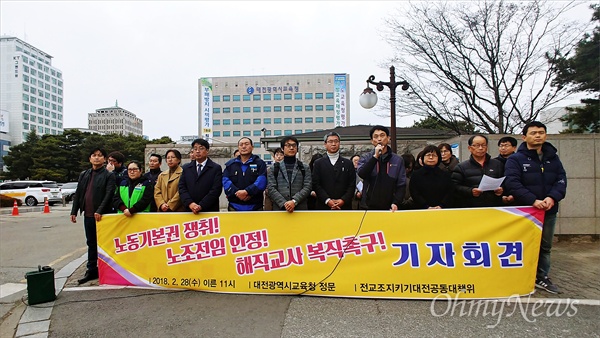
(282, 190)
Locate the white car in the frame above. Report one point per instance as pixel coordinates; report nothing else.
(32, 192)
(68, 190)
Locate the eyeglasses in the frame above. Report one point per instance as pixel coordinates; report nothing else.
(505, 145)
(430, 155)
(199, 148)
(291, 145)
(133, 169)
(478, 145)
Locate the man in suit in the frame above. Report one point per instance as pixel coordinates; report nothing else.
(333, 177)
(201, 184)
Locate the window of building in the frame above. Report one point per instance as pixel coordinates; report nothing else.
(287, 108)
(256, 121)
(256, 133)
(226, 98)
(226, 133)
(329, 107)
(308, 130)
(256, 97)
(246, 121)
(226, 110)
(246, 109)
(276, 132)
(319, 119)
(236, 97)
(267, 97)
(216, 98)
(216, 110)
(277, 97)
(216, 133)
(246, 133)
(287, 132)
(287, 120)
(277, 109)
(267, 157)
(25, 125)
(277, 120)
(297, 96)
(246, 97)
(329, 95)
(329, 119)
(319, 107)
(267, 120)
(267, 109)
(226, 122)
(236, 133)
(298, 120)
(308, 96)
(287, 96)
(298, 131)
(308, 108)
(236, 121)
(297, 108)
(308, 120)
(256, 109)
(25, 116)
(217, 122)
(32, 118)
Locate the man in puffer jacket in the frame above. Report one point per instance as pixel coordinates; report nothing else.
(535, 176)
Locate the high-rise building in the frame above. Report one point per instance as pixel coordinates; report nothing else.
(115, 120)
(31, 91)
(271, 105)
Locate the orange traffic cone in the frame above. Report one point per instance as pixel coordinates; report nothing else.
(46, 207)
(15, 211)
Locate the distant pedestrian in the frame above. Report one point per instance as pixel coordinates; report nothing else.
(93, 196)
(536, 176)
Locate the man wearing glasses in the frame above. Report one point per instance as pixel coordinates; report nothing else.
(468, 174)
(506, 147)
(289, 181)
(200, 184)
(334, 177)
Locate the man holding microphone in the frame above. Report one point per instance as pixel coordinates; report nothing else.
(383, 174)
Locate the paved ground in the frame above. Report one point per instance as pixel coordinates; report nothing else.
(90, 310)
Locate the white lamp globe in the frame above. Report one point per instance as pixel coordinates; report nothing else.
(368, 99)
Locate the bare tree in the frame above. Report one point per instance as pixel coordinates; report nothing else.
(481, 62)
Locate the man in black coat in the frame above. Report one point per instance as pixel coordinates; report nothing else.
(201, 183)
(333, 177)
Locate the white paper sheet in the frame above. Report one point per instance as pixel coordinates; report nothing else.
(489, 183)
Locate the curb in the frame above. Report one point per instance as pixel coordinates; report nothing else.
(35, 321)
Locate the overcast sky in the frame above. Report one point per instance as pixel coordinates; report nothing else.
(150, 55)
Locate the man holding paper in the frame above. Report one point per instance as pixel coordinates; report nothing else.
(467, 177)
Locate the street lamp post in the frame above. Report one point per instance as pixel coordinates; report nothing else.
(368, 99)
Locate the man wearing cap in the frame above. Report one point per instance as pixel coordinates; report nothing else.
(201, 183)
(333, 177)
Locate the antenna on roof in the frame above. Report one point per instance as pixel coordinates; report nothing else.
(117, 103)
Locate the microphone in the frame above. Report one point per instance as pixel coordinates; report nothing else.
(380, 151)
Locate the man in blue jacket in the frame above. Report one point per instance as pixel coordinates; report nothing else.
(535, 176)
(201, 183)
(245, 179)
(383, 174)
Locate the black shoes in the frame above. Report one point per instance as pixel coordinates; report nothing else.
(89, 275)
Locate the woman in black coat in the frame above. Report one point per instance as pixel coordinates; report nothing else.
(430, 186)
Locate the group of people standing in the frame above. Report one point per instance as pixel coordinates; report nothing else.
(376, 180)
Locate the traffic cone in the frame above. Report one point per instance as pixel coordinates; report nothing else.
(46, 207)
(15, 211)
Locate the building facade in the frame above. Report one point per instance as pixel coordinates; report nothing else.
(271, 105)
(115, 120)
(31, 91)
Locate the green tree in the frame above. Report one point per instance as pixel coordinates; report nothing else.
(581, 73)
(433, 123)
(19, 160)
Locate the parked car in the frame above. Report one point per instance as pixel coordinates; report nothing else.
(68, 190)
(32, 192)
